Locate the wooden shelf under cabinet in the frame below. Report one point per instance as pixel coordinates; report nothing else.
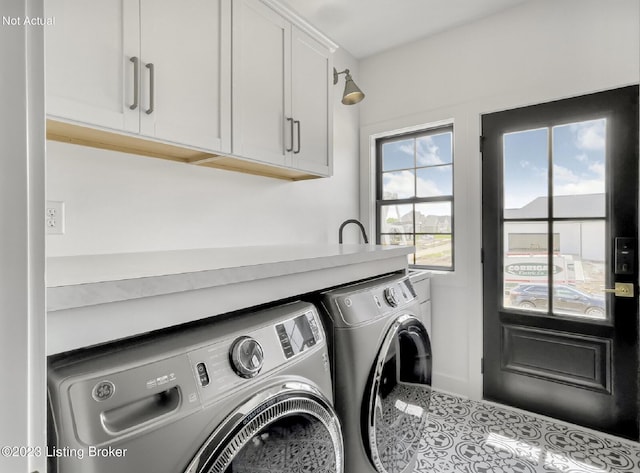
(96, 138)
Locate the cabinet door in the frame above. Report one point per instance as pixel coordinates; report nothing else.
(261, 83)
(312, 75)
(89, 75)
(188, 44)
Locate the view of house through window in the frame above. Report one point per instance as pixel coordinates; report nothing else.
(414, 200)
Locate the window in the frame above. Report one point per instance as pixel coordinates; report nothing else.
(414, 195)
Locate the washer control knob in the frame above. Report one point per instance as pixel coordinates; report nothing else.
(246, 356)
(391, 296)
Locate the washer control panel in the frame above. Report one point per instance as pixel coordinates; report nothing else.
(298, 334)
(391, 296)
(203, 375)
(395, 294)
(364, 302)
(248, 351)
(247, 356)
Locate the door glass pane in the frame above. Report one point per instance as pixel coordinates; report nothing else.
(579, 286)
(434, 181)
(398, 185)
(579, 155)
(526, 174)
(526, 266)
(578, 268)
(398, 155)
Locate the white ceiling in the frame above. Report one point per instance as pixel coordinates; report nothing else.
(366, 27)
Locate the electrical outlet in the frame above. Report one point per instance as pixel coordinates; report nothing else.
(54, 217)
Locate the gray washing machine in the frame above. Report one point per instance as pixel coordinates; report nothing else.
(381, 363)
(251, 393)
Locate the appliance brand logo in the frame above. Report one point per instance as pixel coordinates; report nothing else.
(103, 390)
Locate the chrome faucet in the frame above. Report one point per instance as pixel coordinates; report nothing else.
(352, 220)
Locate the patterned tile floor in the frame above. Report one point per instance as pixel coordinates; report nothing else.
(473, 437)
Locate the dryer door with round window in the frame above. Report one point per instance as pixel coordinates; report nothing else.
(291, 428)
(397, 400)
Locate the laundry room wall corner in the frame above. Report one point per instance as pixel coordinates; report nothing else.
(22, 262)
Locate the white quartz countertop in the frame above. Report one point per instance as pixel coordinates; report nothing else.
(99, 299)
(79, 281)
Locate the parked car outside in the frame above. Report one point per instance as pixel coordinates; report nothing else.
(566, 299)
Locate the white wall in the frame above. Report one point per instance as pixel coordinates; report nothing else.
(22, 308)
(122, 203)
(539, 51)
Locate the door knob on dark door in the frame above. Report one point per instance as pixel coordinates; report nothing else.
(621, 289)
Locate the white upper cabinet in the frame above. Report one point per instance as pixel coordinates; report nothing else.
(312, 79)
(281, 91)
(261, 82)
(159, 68)
(242, 85)
(89, 77)
(185, 75)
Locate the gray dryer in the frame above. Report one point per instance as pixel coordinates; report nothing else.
(381, 363)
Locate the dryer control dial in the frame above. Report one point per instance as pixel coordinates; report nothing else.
(246, 356)
(391, 296)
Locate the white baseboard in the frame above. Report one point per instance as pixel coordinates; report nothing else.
(450, 384)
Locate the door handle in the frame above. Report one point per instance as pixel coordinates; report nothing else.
(621, 289)
(136, 81)
(152, 75)
(299, 144)
(290, 120)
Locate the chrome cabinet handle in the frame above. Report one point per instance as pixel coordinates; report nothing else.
(290, 120)
(299, 144)
(150, 66)
(136, 81)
